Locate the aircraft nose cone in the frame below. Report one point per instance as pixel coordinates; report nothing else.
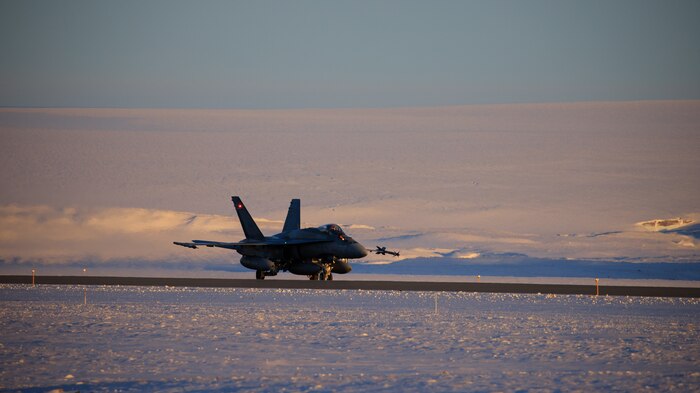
(360, 250)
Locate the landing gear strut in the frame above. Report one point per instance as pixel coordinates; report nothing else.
(323, 275)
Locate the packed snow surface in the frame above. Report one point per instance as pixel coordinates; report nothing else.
(273, 340)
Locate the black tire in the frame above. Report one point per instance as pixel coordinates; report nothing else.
(313, 277)
(330, 277)
(259, 275)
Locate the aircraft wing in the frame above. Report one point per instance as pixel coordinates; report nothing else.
(207, 243)
(294, 242)
(237, 245)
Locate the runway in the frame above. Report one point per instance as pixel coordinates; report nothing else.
(563, 289)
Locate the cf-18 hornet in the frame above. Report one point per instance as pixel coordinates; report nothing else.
(313, 252)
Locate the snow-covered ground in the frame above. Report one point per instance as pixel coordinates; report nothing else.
(184, 339)
(563, 184)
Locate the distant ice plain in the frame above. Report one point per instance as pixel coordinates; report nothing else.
(112, 188)
(185, 339)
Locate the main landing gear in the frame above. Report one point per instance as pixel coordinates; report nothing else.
(261, 274)
(324, 275)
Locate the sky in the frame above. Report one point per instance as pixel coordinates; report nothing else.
(331, 54)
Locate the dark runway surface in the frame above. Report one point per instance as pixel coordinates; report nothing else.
(613, 290)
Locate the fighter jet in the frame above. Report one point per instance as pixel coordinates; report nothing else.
(384, 251)
(313, 252)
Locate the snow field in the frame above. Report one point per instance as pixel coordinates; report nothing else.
(474, 184)
(193, 339)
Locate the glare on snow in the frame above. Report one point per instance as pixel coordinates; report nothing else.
(180, 339)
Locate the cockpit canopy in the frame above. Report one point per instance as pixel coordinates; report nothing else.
(335, 230)
(332, 228)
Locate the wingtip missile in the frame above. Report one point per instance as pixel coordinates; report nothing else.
(383, 251)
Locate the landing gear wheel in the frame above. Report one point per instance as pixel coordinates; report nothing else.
(313, 277)
(325, 273)
(259, 275)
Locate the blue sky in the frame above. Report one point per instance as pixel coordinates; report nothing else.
(296, 54)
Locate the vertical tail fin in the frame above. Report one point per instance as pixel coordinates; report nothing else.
(250, 228)
(293, 220)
